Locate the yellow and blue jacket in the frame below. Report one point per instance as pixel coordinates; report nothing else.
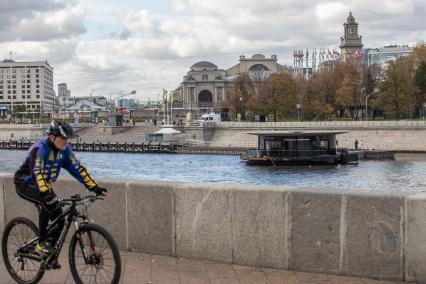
(43, 163)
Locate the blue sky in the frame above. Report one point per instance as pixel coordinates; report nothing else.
(111, 46)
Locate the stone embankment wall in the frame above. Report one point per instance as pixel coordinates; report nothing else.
(379, 235)
(383, 135)
(28, 131)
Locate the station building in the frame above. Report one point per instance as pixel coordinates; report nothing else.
(205, 86)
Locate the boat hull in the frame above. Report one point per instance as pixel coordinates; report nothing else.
(317, 160)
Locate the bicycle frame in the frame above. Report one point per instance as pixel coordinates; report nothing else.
(70, 215)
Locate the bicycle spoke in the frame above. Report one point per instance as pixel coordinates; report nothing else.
(18, 235)
(103, 260)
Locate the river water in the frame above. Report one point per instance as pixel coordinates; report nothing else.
(407, 173)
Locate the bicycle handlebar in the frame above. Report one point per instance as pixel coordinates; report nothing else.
(77, 198)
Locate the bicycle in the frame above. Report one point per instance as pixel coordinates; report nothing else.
(93, 254)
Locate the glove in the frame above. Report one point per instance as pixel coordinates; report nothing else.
(49, 197)
(100, 190)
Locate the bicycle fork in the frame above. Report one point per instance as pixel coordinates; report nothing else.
(91, 242)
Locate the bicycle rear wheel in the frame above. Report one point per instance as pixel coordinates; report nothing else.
(23, 270)
(94, 256)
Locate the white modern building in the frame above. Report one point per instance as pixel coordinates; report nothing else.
(381, 56)
(26, 84)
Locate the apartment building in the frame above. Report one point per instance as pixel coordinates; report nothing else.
(27, 87)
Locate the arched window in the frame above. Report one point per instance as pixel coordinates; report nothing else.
(258, 67)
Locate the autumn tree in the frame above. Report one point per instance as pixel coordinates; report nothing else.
(239, 95)
(348, 95)
(315, 103)
(398, 93)
(421, 77)
(278, 96)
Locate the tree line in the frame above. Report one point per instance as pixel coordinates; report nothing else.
(348, 90)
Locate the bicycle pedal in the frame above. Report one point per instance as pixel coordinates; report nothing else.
(56, 265)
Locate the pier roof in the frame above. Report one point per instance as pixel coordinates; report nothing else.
(296, 133)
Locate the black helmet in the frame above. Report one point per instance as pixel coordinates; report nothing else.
(61, 129)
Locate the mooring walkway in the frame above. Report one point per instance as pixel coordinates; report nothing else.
(141, 268)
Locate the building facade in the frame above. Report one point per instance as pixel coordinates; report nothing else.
(27, 87)
(381, 56)
(206, 86)
(86, 104)
(64, 96)
(350, 42)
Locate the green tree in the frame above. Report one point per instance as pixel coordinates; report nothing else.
(19, 109)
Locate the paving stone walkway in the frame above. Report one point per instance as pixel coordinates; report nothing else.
(141, 268)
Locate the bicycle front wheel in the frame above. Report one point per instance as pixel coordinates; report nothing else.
(17, 233)
(94, 256)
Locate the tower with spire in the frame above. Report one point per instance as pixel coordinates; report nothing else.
(351, 42)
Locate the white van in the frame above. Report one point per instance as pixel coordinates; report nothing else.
(211, 117)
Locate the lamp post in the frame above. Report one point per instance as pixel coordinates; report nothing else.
(240, 99)
(367, 96)
(120, 96)
(298, 106)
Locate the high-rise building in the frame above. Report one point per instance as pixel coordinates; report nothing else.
(351, 42)
(64, 95)
(27, 86)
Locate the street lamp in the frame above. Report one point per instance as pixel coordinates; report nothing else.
(298, 106)
(376, 90)
(239, 105)
(120, 96)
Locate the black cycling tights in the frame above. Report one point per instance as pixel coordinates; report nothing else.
(47, 212)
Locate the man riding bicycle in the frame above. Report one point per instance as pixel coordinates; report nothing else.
(34, 179)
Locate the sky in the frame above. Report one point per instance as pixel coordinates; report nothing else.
(104, 47)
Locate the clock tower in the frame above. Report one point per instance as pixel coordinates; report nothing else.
(351, 42)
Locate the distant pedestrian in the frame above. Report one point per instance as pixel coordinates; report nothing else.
(356, 144)
(337, 143)
(360, 144)
(133, 121)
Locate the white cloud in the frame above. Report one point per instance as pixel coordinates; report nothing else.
(147, 50)
(48, 22)
(330, 10)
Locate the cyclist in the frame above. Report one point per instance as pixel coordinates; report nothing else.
(34, 179)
